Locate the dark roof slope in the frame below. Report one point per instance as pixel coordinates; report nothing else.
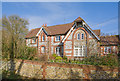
(110, 40)
(32, 33)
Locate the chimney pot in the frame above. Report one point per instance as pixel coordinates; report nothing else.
(45, 25)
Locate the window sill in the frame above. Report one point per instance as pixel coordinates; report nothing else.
(57, 41)
(78, 56)
(33, 43)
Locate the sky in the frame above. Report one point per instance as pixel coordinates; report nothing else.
(98, 15)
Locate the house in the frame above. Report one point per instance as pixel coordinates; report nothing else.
(73, 40)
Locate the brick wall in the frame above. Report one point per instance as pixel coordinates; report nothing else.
(42, 70)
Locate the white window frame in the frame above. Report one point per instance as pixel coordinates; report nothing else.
(114, 49)
(80, 51)
(82, 35)
(28, 41)
(33, 40)
(57, 50)
(78, 36)
(107, 50)
(57, 38)
(43, 38)
(43, 49)
(102, 51)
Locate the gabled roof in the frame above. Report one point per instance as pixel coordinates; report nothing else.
(32, 33)
(110, 40)
(79, 19)
(58, 29)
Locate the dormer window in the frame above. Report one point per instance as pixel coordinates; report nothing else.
(78, 36)
(57, 38)
(82, 36)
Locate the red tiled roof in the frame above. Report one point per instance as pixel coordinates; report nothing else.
(32, 33)
(97, 32)
(110, 40)
(58, 29)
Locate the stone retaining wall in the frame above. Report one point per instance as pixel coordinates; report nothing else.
(42, 70)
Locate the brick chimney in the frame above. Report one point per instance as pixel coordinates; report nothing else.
(45, 25)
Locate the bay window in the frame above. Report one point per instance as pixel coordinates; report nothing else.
(79, 51)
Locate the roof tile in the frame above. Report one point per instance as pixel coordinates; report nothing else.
(32, 33)
(110, 40)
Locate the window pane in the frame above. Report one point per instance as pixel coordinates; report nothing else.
(105, 49)
(43, 38)
(57, 38)
(80, 52)
(58, 50)
(109, 49)
(76, 52)
(28, 41)
(78, 36)
(82, 36)
(43, 49)
(33, 40)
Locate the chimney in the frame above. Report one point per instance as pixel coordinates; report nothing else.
(45, 25)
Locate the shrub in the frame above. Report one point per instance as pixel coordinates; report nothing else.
(54, 55)
(64, 57)
(43, 57)
(58, 58)
(109, 60)
(27, 53)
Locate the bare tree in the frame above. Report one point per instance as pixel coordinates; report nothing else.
(14, 30)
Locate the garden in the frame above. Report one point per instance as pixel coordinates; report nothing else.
(108, 60)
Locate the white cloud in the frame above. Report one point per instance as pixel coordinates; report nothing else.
(55, 15)
(36, 21)
(105, 23)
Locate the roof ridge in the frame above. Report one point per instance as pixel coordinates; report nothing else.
(60, 24)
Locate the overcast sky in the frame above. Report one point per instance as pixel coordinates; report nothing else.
(98, 15)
